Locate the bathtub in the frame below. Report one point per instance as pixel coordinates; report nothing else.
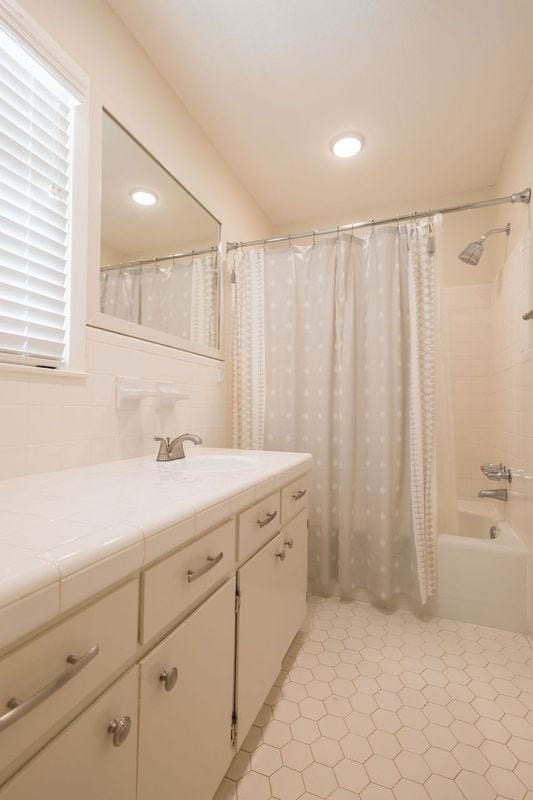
(482, 579)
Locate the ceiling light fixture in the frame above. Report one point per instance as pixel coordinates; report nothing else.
(347, 145)
(144, 197)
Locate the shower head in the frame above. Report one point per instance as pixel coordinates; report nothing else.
(473, 251)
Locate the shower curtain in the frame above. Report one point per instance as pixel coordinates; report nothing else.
(334, 354)
(178, 298)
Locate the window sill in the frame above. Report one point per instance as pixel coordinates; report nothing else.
(26, 369)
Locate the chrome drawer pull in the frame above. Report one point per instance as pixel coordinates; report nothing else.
(289, 543)
(169, 678)
(19, 708)
(269, 517)
(211, 562)
(120, 728)
(299, 494)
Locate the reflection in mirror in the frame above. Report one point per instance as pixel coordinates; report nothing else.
(159, 247)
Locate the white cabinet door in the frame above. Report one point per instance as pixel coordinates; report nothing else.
(272, 588)
(82, 762)
(185, 716)
(293, 591)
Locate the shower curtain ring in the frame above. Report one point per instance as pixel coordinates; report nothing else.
(373, 226)
(314, 238)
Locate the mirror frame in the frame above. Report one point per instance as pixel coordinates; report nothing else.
(95, 317)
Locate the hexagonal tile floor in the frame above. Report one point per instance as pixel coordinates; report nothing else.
(377, 705)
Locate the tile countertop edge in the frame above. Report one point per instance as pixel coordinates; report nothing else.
(156, 540)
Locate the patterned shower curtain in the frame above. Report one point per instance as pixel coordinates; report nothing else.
(334, 355)
(180, 298)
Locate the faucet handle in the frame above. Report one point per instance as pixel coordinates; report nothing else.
(164, 447)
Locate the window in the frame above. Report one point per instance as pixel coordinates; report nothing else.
(36, 124)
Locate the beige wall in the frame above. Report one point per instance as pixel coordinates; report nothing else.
(50, 422)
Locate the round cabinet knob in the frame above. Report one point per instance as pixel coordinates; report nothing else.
(289, 543)
(281, 555)
(169, 678)
(120, 728)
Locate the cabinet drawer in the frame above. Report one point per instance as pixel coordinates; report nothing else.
(258, 524)
(293, 498)
(175, 584)
(110, 623)
(82, 762)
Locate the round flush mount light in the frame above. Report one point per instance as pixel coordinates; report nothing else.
(347, 145)
(144, 197)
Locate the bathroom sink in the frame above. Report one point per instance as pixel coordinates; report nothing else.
(214, 462)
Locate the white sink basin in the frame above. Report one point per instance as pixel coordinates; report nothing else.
(213, 462)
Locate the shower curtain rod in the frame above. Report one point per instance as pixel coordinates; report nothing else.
(143, 261)
(519, 197)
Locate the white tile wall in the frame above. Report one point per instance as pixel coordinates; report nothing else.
(49, 422)
(470, 336)
(492, 384)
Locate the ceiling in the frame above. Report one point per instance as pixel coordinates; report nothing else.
(176, 223)
(435, 87)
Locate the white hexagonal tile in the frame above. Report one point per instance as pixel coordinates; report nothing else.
(524, 772)
(356, 747)
(286, 784)
(491, 729)
(361, 724)
(499, 754)
(471, 758)
(412, 717)
(384, 744)
(312, 708)
(412, 740)
(327, 751)
(319, 689)
(366, 685)
(466, 733)
(409, 790)
(440, 788)
(350, 775)
(440, 736)
(412, 766)
(253, 786)
(276, 733)
(521, 748)
(304, 730)
(505, 783)
(338, 706)
(293, 691)
(374, 792)
(319, 779)
(386, 720)
(474, 787)
(266, 759)
(332, 727)
(296, 755)
(442, 762)
(382, 771)
(285, 711)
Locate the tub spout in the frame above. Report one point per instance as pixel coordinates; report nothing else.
(495, 494)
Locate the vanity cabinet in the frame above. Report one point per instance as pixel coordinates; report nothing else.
(166, 672)
(186, 704)
(272, 588)
(87, 761)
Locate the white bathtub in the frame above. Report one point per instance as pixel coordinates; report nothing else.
(482, 580)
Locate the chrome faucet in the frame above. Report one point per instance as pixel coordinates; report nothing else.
(495, 494)
(496, 472)
(172, 450)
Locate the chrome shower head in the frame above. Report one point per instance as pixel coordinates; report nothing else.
(473, 251)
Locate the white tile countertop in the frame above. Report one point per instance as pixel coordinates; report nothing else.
(64, 536)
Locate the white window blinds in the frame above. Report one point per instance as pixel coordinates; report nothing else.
(35, 156)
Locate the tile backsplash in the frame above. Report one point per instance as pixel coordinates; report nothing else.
(52, 421)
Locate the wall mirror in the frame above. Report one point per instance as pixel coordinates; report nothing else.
(159, 251)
